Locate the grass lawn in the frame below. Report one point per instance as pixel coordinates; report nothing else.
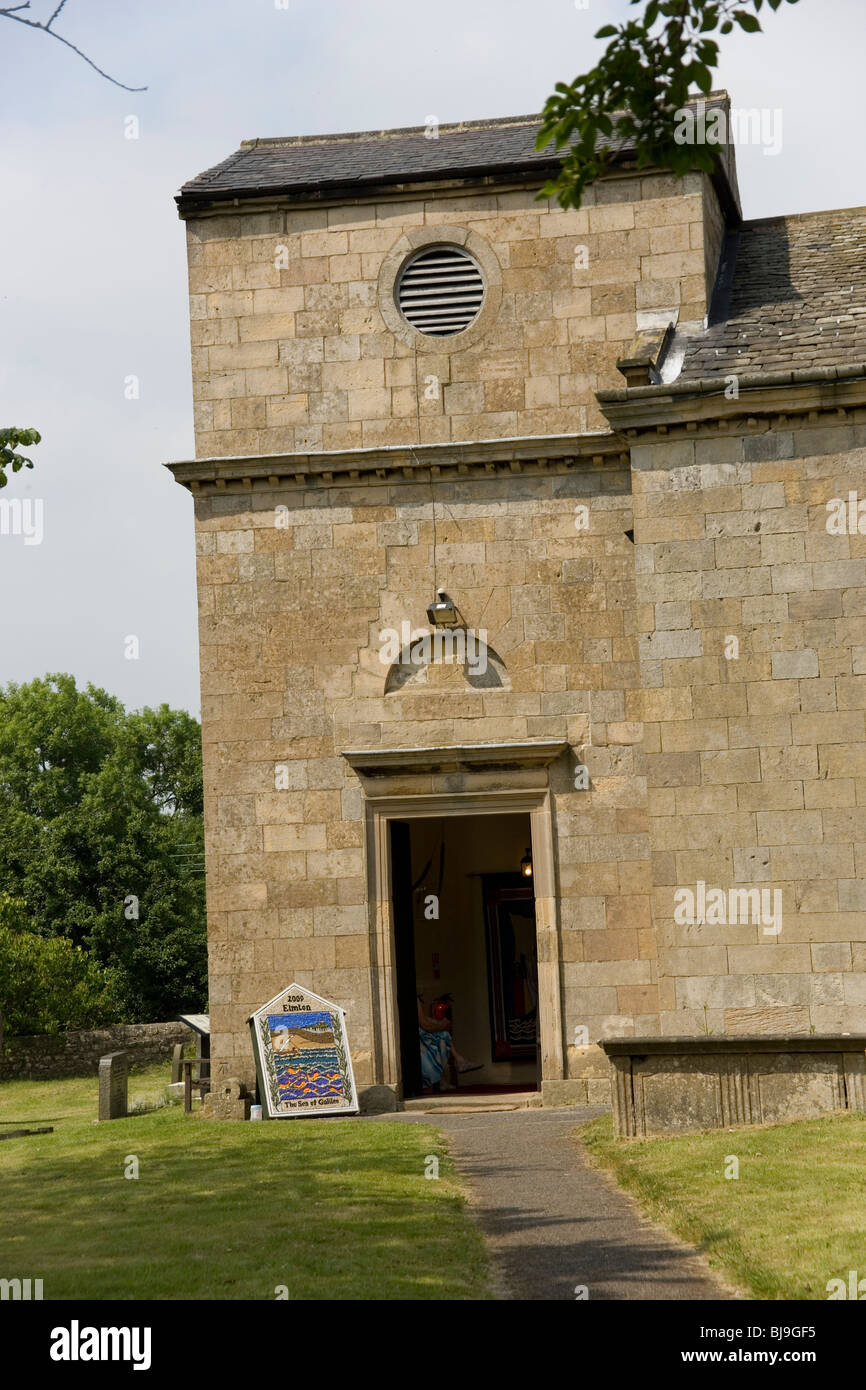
(333, 1209)
(793, 1219)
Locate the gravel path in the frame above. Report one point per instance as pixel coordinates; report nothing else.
(553, 1223)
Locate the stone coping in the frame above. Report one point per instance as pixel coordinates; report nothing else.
(781, 1042)
(790, 376)
(704, 402)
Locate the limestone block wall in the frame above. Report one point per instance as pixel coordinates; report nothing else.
(296, 587)
(292, 349)
(713, 237)
(752, 642)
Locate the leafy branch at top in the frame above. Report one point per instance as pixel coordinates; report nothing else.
(642, 79)
(10, 440)
(13, 12)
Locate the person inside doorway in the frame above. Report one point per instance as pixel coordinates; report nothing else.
(437, 1048)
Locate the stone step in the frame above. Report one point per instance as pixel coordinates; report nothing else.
(455, 1103)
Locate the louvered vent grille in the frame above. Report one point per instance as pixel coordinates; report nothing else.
(440, 291)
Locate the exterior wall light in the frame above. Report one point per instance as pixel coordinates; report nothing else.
(443, 611)
(526, 863)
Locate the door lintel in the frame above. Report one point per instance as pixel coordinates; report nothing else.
(476, 757)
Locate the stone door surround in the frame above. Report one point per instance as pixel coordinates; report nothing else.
(386, 774)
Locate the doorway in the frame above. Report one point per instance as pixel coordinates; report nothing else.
(463, 913)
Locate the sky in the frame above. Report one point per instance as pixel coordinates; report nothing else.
(94, 348)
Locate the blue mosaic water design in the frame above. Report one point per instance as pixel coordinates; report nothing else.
(313, 1072)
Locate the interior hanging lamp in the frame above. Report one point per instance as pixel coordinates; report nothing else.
(526, 863)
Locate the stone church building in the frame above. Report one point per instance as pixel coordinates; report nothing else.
(532, 582)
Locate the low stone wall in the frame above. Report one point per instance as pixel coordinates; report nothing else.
(670, 1085)
(77, 1053)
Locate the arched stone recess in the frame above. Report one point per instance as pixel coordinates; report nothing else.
(447, 658)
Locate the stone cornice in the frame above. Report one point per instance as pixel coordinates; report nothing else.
(733, 1043)
(478, 757)
(414, 462)
(703, 401)
(265, 200)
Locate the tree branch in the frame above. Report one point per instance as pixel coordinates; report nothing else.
(11, 12)
(637, 90)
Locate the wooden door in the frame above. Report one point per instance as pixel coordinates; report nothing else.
(404, 946)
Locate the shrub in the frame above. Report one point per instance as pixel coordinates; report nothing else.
(48, 985)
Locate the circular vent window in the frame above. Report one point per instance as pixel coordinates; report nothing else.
(441, 291)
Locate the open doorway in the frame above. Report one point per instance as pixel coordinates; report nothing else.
(465, 940)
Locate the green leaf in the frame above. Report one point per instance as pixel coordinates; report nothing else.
(639, 81)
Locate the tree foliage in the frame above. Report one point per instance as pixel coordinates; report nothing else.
(632, 95)
(10, 441)
(47, 984)
(101, 836)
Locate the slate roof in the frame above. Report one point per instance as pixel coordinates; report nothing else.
(318, 164)
(305, 163)
(791, 293)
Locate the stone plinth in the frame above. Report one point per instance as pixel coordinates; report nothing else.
(670, 1085)
(377, 1100)
(228, 1101)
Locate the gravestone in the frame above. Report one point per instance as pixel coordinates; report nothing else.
(228, 1101)
(113, 1082)
(176, 1060)
(302, 1056)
